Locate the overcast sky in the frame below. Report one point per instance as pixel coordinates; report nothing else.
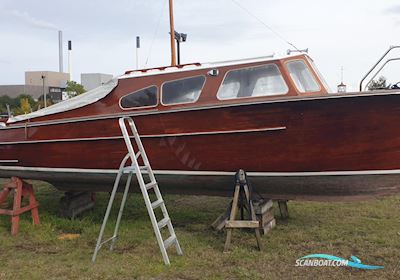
(348, 33)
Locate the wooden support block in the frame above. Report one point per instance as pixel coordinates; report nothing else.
(266, 217)
(262, 206)
(266, 228)
(73, 204)
(242, 224)
(283, 208)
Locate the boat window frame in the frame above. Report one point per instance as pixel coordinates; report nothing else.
(142, 107)
(181, 103)
(312, 72)
(319, 75)
(261, 96)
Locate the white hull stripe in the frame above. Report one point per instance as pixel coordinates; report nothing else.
(204, 173)
(148, 136)
(9, 161)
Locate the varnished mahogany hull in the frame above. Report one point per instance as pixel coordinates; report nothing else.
(311, 148)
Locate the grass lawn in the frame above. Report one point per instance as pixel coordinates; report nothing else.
(369, 230)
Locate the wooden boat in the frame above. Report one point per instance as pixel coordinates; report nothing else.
(200, 123)
(272, 117)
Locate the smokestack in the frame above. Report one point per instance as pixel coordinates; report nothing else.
(60, 51)
(137, 51)
(69, 59)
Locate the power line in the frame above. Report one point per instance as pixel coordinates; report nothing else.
(155, 33)
(264, 24)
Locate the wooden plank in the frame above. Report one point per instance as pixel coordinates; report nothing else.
(283, 208)
(265, 229)
(262, 206)
(266, 217)
(220, 222)
(253, 217)
(242, 224)
(232, 217)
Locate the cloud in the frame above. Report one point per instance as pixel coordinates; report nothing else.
(34, 22)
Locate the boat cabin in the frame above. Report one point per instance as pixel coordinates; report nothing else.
(192, 86)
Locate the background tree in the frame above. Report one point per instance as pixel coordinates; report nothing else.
(40, 103)
(74, 89)
(379, 84)
(25, 106)
(22, 104)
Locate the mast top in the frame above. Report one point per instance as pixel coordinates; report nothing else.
(172, 32)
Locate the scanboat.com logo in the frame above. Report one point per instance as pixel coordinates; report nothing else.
(329, 260)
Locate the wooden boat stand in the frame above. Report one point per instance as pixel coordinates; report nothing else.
(283, 209)
(73, 204)
(21, 189)
(242, 200)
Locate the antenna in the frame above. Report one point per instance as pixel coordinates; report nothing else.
(341, 88)
(341, 74)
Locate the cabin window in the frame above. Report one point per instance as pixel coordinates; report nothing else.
(182, 91)
(142, 98)
(253, 82)
(302, 76)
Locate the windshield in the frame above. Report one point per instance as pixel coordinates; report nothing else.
(302, 76)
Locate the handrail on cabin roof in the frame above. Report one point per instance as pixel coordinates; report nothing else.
(162, 68)
(180, 66)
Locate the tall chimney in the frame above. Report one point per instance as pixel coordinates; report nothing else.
(69, 59)
(137, 51)
(60, 51)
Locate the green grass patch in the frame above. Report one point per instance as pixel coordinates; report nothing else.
(370, 230)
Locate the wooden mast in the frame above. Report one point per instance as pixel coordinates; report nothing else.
(172, 33)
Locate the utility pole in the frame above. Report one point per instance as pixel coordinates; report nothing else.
(44, 92)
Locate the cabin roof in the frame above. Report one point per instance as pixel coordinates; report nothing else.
(198, 66)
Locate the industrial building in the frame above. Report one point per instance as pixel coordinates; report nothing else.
(38, 83)
(93, 80)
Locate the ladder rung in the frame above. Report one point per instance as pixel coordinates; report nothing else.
(138, 154)
(157, 203)
(171, 240)
(129, 169)
(150, 185)
(163, 222)
(107, 240)
(133, 169)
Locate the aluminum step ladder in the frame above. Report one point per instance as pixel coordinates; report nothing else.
(134, 168)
